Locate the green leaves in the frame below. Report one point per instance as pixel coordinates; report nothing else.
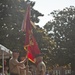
(12, 13)
(63, 28)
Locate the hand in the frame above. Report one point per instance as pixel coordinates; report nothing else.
(27, 67)
(25, 60)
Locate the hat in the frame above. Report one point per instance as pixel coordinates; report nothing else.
(38, 55)
(15, 50)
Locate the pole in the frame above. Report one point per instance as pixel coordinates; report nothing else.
(27, 64)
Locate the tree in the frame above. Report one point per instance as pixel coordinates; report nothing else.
(11, 17)
(45, 43)
(62, 29)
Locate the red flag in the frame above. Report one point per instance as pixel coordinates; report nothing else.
(30, 42)
(33, 48)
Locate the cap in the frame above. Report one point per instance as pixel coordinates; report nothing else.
(38, 55)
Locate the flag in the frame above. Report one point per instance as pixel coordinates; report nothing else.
(30, 43)
(33, 48)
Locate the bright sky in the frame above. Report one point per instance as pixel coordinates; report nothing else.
(47, 6)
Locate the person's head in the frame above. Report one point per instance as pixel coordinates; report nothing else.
(15, 54)
(22, 58)
(39, 57)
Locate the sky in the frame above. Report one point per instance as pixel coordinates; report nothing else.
(47, 6)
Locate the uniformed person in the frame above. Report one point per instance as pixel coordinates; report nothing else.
(14, 64)
(40, 65)
(23, 67)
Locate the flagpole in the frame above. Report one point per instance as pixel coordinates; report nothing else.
(29, 40)
(28, 4)
(27, 62)
(27, 56)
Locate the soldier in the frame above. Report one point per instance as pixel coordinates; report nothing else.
(14, 63)
(40, 65)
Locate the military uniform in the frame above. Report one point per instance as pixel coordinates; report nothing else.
(14, 68)
(23, 71)
(41, 68)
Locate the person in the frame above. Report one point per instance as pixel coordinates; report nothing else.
(5, 67)
(23, 68)
(14, 64)
(28, 72)
(31, 70)
(6, 70)
(40, 65)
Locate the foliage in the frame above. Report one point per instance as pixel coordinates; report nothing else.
(11, 16)
(45, 43)
(62, 29)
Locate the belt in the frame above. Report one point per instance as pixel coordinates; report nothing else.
(14, 74)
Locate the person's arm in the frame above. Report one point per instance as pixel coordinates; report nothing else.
(24, 68)
(22, 62)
